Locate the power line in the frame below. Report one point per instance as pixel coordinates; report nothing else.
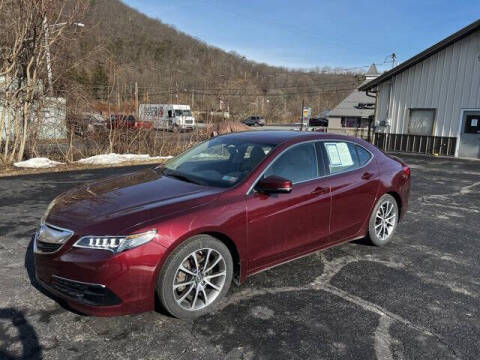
(266, 95)
(245, 94)
(200, 90)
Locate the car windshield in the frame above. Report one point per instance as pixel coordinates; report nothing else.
(183, 112)
(223, 161)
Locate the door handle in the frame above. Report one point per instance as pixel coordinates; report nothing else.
(321, 190)
(367, 176)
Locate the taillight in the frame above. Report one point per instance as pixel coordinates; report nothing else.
(406, 170)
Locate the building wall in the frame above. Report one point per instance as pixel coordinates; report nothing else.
(334, 122)
(335, 127)
(447, 81)
(53, 120)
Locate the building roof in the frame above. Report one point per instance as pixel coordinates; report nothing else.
(372, 71)
(350, 105)
(322, 115)
(423, 55)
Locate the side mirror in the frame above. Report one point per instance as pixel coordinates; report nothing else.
(274, 185)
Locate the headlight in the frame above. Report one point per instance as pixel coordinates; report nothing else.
(115, 244)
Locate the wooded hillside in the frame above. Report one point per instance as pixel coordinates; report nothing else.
(120, 46)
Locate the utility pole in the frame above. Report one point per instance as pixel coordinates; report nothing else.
(301, 123)
(203, 96)
(46, 29)
(136, 99)
(118, 97)
(193, 98)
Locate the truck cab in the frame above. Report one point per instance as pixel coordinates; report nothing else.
(180, 117)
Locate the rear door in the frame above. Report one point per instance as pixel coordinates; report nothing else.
(353, 181)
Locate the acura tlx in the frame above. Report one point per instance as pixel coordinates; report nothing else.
(177, 235)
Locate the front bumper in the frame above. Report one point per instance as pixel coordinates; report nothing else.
(98, 282)
(85, 293)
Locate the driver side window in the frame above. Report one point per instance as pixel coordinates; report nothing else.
(297, 164)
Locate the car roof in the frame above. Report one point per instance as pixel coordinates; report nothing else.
(277, 137)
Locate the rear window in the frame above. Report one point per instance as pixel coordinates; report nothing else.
(363, 155)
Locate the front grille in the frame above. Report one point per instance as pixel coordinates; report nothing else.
(50, 238)
(188, 121)
(47, 247)
(91, 294)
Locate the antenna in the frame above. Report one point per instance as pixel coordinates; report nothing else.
(394, 60)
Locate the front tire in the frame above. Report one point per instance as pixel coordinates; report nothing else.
(195, 277)
(383, 221)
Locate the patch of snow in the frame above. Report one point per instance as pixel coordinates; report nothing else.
(108, 159)
(209, 156)
(37, 163)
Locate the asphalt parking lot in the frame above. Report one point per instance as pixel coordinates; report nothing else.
(417, 298)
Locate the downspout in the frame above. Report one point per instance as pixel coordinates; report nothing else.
(370, 94)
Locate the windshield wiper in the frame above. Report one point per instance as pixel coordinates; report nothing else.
(177, 175)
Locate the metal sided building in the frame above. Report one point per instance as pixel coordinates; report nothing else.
(431, 102)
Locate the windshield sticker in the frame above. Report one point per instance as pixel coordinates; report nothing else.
(230, 178)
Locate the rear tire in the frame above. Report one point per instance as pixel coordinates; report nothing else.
(195, 277)
(383, 221)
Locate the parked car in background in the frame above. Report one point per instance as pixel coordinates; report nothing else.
(254, 121)
(121, 121)
(139, 124)
(318, 121)
(230, 207)
(86, 123)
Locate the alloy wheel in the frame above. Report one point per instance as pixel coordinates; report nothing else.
(199, 279)
(385, 220)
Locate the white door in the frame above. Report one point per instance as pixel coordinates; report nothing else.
(469, 146)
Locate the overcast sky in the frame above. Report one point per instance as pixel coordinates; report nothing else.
(308, 33)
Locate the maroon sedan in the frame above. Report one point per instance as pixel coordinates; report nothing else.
(228, 208)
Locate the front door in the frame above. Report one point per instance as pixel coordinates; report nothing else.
(469, 146)
(282, 226)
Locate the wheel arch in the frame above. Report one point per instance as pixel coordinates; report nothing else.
(398, 199)
(232, 247)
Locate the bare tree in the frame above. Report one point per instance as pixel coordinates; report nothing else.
(30, 30)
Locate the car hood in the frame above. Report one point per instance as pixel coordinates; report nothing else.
(114, 204)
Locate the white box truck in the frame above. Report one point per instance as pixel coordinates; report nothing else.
(167, 116)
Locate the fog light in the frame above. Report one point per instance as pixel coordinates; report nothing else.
(115, 244)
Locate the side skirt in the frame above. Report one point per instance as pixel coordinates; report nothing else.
(305, 254)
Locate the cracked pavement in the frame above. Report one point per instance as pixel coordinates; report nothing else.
(416, 298)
